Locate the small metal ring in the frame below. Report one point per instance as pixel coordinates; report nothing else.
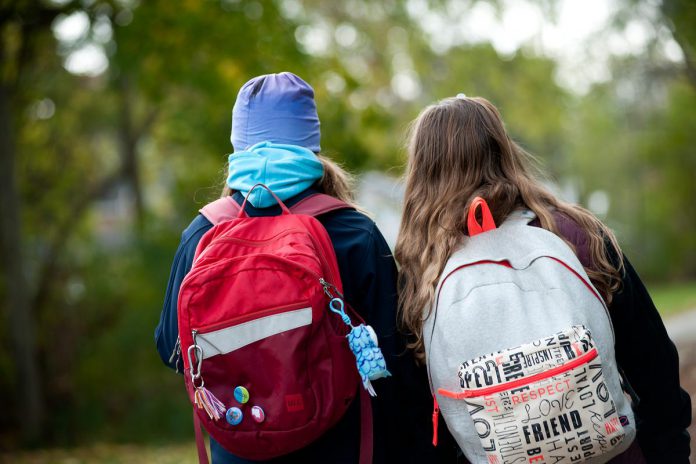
(193, 382)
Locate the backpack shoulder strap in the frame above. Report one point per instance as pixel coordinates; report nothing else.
(366, 427)
(318, 204)
(220, 210)
(225, 208)
(519, 217)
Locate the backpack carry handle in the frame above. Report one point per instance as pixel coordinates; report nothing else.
(243, 214)
(472, 223)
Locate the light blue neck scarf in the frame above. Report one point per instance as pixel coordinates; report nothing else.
(286, 169)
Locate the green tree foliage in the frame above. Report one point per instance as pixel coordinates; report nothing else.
(632, 137)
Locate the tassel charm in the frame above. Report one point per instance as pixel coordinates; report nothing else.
(204, 399)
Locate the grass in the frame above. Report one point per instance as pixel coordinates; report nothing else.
(674, 298)
(108, 454)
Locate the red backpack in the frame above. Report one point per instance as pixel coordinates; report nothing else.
(266, 365)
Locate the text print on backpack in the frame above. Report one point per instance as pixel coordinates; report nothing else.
(268, 367)
(556, 396)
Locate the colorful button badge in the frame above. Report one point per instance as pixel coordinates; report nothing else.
(241, 394)
(258, 414)
(234, 416)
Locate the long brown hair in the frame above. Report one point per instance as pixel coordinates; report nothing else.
(335, 181)
(459, 149)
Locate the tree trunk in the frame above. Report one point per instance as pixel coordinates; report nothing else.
(22, 326)
(128, 146)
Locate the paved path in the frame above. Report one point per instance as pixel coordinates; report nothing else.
(682, 330)
(682, 327)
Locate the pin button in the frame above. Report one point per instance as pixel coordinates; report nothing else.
(241, 394)
(258, 414)
(234, 416)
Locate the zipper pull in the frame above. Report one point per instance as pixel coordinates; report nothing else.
(330, 289)
(436, 415)
(327, 287)
(176, 353)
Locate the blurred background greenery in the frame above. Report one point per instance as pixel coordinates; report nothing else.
(114, 130)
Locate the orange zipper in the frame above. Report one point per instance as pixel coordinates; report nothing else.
(473, 393)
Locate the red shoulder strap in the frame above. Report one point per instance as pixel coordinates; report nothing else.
(221, 210)
(200, 443)
(317, 204)
(225, 208)
(366, 427)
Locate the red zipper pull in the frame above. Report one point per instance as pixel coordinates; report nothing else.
(436, 414)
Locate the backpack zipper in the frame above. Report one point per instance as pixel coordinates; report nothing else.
(317, 247)
(476, 392)
(202, 330)
(244, 241)
(318, 278)
(436, 419)
(506, 263)
(176, 353)
(254, 243)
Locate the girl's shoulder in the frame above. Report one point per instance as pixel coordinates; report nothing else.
(355, 235)
(195, 230)
(573, 233)
(349, 218)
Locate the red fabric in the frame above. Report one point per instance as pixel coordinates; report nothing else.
(314, 205)
(436, 419)
(304, 378)
(220, 210)
(366, 434)
(472, 224)
(200, 443)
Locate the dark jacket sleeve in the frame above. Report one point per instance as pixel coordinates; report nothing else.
(167, 330)
(650, 363)
(647, 357)
(403, 406)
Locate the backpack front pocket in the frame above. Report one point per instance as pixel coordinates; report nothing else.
(264, 352)
(544, 401)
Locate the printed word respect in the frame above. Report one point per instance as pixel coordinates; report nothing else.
(548, 390)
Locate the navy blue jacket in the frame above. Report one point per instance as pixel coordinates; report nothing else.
(402, 408)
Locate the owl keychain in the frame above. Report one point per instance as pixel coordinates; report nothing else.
(362, 340)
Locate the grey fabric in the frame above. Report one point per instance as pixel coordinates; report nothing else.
(485, 308)
(228, 339)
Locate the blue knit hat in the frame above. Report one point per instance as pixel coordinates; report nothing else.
(277, 108)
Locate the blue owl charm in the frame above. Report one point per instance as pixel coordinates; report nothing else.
(362, 340)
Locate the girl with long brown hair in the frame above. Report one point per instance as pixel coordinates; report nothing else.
(458, 150)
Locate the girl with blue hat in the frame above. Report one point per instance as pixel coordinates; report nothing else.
(276, 140)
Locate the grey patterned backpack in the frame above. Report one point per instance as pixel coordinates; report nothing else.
(520, 350)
